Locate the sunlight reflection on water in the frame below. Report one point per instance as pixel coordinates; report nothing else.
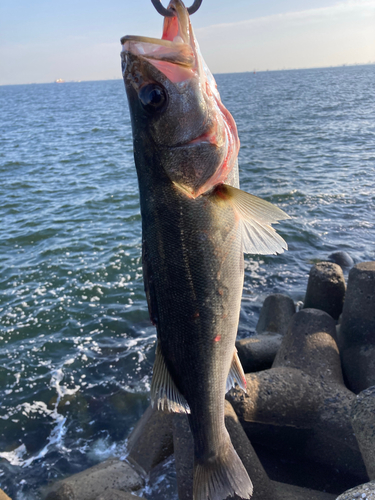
(77, 346)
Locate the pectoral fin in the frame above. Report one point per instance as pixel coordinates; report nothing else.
(236, 374)
(164, 393)
(256, 217)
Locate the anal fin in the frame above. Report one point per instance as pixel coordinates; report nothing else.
(236, 374)
(164, 393)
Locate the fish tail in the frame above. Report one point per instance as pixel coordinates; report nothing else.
(222, 477)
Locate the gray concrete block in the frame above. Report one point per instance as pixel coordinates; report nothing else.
(276, 313)
(311, 346)
(286, 407)
(89, 484)
(358, 364)
(326, 289)
(341, 258)
(151, 441)
(183, 446)
(290, 492)
(363, 422)
(263, 487)
(362, 492)
(258, 352)
(357, 329)
(116, 495)
(358, 316)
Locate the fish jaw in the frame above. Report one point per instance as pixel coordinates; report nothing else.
(195, 136)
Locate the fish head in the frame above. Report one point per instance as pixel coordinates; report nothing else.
(175, 107)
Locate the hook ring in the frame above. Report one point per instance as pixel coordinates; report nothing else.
(195, 6)
(170, 13)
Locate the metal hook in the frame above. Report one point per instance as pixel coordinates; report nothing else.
(194, 7)
(170, 13)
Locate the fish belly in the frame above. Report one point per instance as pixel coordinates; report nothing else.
(193, 265)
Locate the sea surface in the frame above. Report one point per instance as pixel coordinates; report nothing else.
(76, 344)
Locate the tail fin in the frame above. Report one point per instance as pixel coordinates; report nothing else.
(222, 478)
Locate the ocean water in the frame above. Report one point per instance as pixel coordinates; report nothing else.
(76, 344)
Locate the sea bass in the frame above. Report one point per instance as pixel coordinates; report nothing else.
(196, 225)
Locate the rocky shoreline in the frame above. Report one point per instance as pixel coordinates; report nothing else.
(305, 428)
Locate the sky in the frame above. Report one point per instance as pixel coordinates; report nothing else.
(43, 40)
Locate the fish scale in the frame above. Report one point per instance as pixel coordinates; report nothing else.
(191, 312)
(196, 224)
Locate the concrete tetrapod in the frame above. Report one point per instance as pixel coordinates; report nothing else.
(92, 482)
(276, 313)
(151, 440)
(311, 345)
(116, 495)
(258, 352)
(326, 289)
(184, 453)
(264, 488)
(341, 258)
(361, 492)
(301, 403)
(357, 330)
(363, 421)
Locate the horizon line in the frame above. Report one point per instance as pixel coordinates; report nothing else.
(370, 63)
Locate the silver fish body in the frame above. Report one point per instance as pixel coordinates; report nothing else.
(196, 224)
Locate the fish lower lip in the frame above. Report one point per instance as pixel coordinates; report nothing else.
(207, 137)
(204, 138)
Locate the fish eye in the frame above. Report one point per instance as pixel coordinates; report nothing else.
(153, 97)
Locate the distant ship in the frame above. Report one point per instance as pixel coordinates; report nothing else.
(59, 80)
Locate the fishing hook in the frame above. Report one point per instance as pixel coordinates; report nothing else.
(170, 13)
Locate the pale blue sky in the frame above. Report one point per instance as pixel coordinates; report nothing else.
(42, 40)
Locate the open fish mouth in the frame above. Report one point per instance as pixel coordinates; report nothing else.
(156, 49)
(176, 53)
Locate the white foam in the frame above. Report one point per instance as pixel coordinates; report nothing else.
(102, 449)
(15, 457)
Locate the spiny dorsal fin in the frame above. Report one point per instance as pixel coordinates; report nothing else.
(256, 217)
(236, 374)
(164, 392)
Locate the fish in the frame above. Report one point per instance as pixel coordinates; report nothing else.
(196, 225)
